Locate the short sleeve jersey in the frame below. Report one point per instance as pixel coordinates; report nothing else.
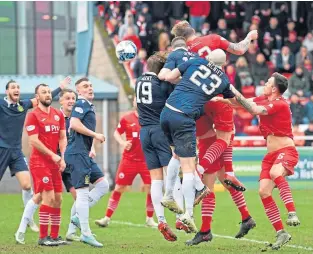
(12, 118)
(177, 57)
(129, 125)
(201, 81)
(151, 95)
(48, 127)
(79, 143)
(278, 121)
(205, 44)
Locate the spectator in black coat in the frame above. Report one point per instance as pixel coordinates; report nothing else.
(260, 71)
(222, 29)
(275, 33)
(297, 109)
(285, 61)
(293, 43)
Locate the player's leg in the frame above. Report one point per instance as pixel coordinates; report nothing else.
(207, 210)
(156, 195)
(284, 166)
(238, 198)
(125, 175)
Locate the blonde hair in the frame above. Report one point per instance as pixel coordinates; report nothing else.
(243, 60)
(183, 29)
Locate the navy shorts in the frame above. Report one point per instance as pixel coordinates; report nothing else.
(155, 146)
(180, 131)
(83, 170)
(67, 179)
(12, 158)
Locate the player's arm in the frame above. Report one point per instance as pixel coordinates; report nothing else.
(167, 68)
(78, 126)
(249, 105)
(63, 84)
(173, 75)
(241, 47)
(121, 128)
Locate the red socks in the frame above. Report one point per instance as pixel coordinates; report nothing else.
(207, 210)
(55, 219)
(113, 203)
(149, 206)
(240, 202)
(272, 213)
(214, 152)
(44, 213)
(285, 193)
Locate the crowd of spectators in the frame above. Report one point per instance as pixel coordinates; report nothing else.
(285, 41)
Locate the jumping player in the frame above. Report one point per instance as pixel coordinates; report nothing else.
(201, 81)
(132, 163)
(79, 158)
(46, 130)
(282, 156)
(151, 95)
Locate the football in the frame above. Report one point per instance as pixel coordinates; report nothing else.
(126, 51)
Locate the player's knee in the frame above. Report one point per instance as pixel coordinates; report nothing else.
(26, 186)
(102, 186)
(120, 188)
(147, 188)
(264, 192)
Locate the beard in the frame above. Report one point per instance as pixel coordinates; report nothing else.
(46, 103)
(13, 98)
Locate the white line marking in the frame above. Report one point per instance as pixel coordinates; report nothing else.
(219, 236)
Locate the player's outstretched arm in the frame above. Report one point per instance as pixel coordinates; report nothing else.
(249, 105)
(241, 47)
(173, 76)
(78, 126)
(163, 73)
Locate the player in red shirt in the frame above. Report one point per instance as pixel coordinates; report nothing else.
(132, 163)
(204, 45)
(45, 127)
(282, 156)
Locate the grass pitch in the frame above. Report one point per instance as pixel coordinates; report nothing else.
(127, 234)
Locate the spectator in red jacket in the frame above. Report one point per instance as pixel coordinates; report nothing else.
(130, 35)
(198, 11)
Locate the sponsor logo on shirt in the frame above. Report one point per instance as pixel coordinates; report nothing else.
(52, 128)
(79, 110)
(30, 127)
(20, 108)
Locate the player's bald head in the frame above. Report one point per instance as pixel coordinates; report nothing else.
(183, 29)
(156, 62)
(218, 57)
(179, 42)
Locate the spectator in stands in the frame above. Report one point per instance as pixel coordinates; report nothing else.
(308, 108)
(130, 35)
(128, 22)
(231, 74)
(275, 33)
(205, 29)
(293, 43)
(309, 9)
(239, 125)
(145, 12)
(243, 75)
(250, 8)
(297, 109)
(157, 30)
(198, 11)
(231, 10)
(222, 29)
(116, 13)
(265, 13)
(303, 55)
(252, 53)
(164, 41)
(260, 71)
(234, 39)
(297, 132)
(285, 61)
(299, 83)
(291, 26)
(177, 11)
(139, 65)
(309, 132)
(145, 31)
(159, 11)
(308, 42)
(280, 9)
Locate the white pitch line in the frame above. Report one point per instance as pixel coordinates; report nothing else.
(219, 236)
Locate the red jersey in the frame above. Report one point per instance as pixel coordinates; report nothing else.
(48, 127)
(205, 44)
(278, 122)
(129, 124)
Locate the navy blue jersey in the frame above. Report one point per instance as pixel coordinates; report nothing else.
(151, 95)
(12, 118)
(177, 57)
(201, 81)
(79, 143)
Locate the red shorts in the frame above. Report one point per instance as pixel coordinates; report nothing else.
(203, 146)
(128, 170)
(222, 115)
(288, 156)
(46, 179)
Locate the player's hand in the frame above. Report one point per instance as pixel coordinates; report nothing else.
(56, 158)
(127, 145)
(216, 98)
(62, 165)
(65, 82)
(100, 137)
(92, 153)
(253, 35)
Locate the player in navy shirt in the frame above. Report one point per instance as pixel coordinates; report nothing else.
(79, 158)
(201, 81)
(13, 112)
(151, 95)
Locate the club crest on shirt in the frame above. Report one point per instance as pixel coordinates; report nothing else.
(20, 108)
(87, 179)
(45, 179)
(57, 118)
(121, 175)
(79, 110)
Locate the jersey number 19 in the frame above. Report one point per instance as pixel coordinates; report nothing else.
(144, 92)
(204, 72)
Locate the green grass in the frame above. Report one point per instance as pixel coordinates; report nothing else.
(125, 238)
